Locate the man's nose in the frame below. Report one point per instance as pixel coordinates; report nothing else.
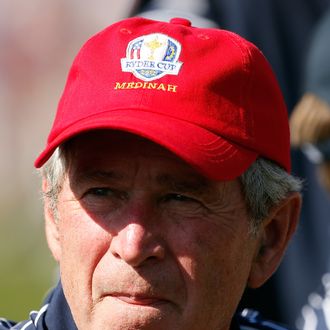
(136, 244)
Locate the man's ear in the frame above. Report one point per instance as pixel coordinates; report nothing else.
(51, 225)
(275, 234)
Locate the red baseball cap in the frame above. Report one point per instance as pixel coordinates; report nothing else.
(207, 95)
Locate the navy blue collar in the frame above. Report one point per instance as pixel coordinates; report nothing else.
(58, 314)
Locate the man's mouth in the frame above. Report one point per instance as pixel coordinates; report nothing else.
(139, 300)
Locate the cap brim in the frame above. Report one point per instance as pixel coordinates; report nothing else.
(208, 153)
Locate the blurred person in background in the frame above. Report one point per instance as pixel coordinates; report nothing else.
(161, 213)
(310, 131)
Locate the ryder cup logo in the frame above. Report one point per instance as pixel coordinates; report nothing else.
(152, 56)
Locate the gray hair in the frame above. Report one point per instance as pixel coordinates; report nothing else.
(264, 185)
(54, 171)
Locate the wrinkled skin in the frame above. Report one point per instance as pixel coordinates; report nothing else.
(146, 242)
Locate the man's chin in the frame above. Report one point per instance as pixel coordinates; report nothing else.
(129, 313)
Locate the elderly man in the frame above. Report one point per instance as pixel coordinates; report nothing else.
(166, 181)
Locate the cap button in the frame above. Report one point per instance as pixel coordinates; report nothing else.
(180, 21)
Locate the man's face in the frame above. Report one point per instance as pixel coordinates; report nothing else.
(145, 242)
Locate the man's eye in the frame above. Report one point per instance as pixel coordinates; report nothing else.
(106, 193)
(100, 192)
(182, 205)
(179, 198)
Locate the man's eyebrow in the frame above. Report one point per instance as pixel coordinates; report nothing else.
(95, 176)
(197, 185)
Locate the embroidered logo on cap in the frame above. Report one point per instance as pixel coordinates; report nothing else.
(152, 56)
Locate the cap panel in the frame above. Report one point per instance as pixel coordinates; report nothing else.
(271, 125)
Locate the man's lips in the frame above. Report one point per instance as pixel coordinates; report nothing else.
(140, 300)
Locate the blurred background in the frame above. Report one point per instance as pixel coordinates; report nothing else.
(38, 40)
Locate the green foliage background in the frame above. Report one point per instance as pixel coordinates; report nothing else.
(27, 269)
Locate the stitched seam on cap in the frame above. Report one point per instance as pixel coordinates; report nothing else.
(246, 61)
